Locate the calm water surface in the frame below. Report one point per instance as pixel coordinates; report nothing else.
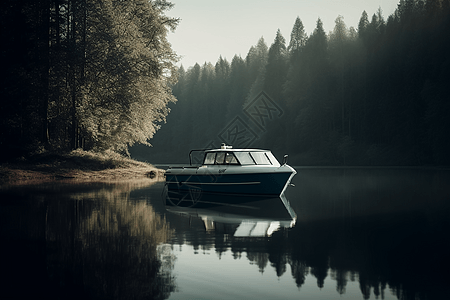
(345, 234)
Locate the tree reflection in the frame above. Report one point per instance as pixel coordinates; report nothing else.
(394, 249)
(299, 271)
(259, 259)
(98, 244)
(98, 241)
(119, 251)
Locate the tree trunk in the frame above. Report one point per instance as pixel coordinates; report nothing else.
(44, 56)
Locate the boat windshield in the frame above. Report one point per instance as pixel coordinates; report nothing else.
(260, 158)
(220, 158)
(231, 159)
(244, 158)
(240, 157)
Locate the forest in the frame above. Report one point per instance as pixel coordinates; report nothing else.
(91, 74)
(102, 75)
(377, 94)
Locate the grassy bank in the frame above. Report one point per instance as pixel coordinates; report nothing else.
(77, 165)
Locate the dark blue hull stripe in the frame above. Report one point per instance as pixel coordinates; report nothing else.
(262, 183)
(219, 183)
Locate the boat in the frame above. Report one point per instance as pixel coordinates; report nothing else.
(243, 172)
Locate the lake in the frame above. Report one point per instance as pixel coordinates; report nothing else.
(347, 233)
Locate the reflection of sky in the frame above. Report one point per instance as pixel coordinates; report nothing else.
(206, 276)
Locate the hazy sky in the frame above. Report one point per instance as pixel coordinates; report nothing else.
(210, 28)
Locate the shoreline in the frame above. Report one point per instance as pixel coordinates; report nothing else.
(19, 176)
(77, 167)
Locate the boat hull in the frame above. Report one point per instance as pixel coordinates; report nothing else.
(270, 184)
(186, 186)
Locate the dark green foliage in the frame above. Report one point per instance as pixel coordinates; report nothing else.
(375, 96)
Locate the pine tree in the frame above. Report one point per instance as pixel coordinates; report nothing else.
(298, 36)
(275, 78)
(239, 86)
(276, 68)
(256, 61)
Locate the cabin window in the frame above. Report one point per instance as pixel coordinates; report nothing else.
(244, 158)
(231, 159)
(260, 158)
(220, 157)
(209, 158)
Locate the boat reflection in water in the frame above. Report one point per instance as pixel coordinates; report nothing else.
(242, 216)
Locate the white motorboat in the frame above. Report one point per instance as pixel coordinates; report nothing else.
(252, 172)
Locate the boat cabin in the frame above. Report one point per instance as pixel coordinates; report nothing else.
(240, 157)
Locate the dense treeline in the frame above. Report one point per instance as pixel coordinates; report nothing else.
(375, 94)
(83, 73)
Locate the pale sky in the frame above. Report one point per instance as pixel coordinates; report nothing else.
(211, 28)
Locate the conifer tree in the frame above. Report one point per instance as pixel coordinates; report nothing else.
(256, 63)
(375, 96)
(239, 87)
(298, 36)
(362, 26)
(276, 67)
